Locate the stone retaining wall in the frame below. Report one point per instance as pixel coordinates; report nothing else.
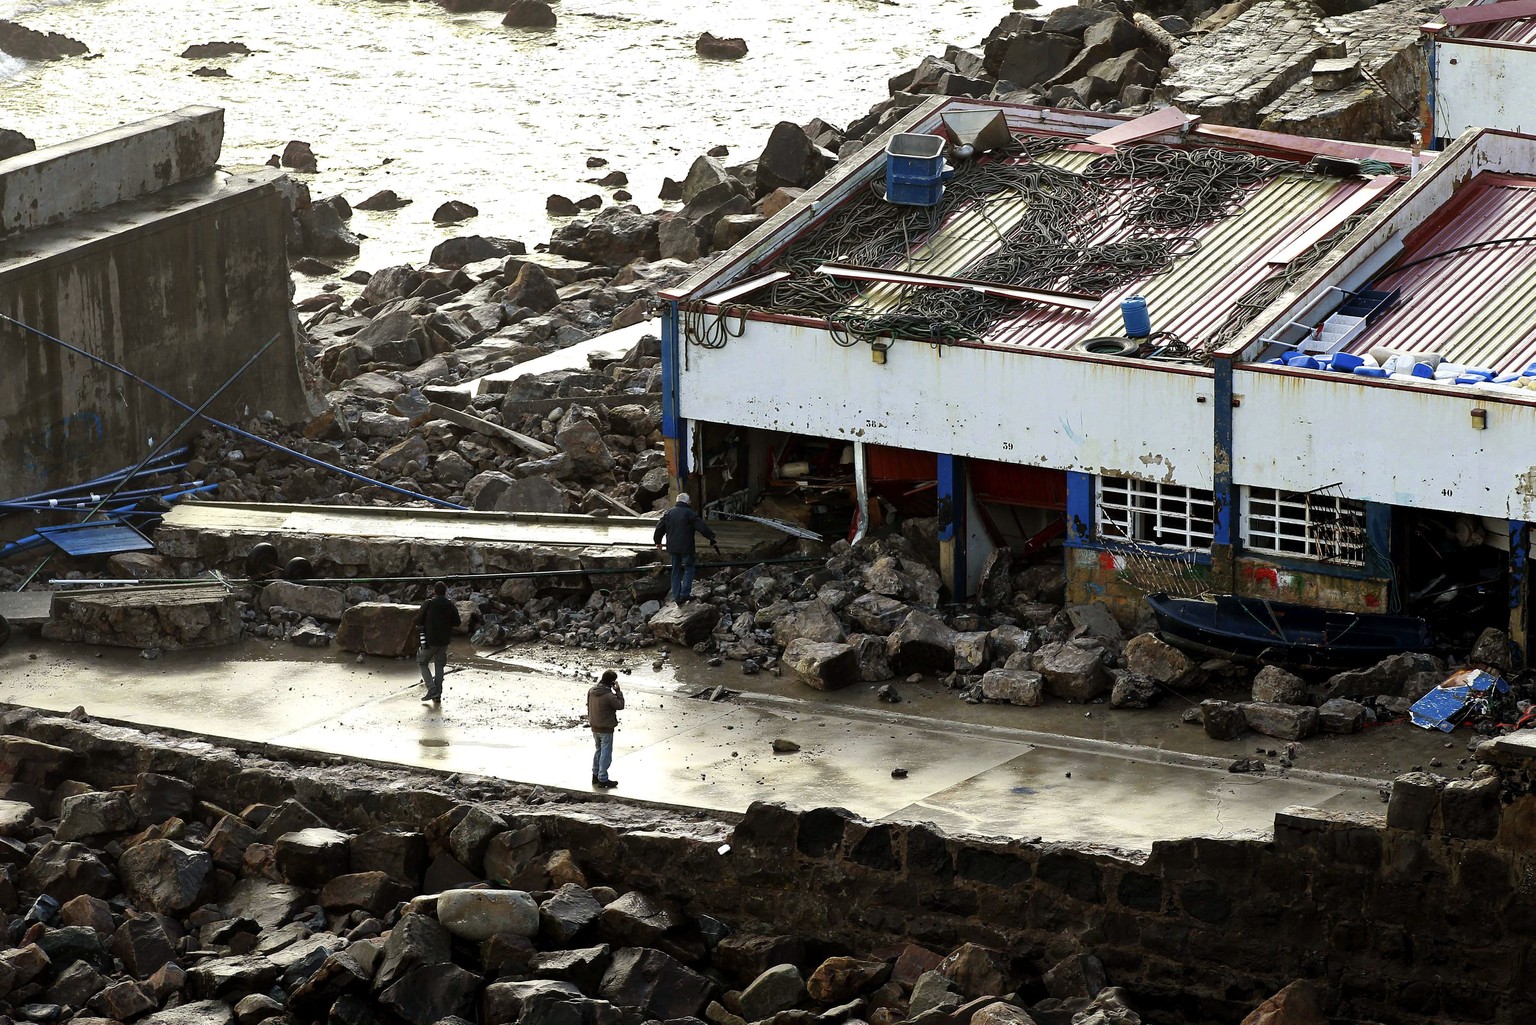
(1418, 915)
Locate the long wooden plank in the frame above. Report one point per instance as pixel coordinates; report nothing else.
(533, 446)
(1343, 211)
(1480, 14)
(1069, 300)
(1158, 122)
(1311, 147)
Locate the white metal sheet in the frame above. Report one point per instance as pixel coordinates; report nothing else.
(1121, 417)
(1482, 86)
(1385, 443)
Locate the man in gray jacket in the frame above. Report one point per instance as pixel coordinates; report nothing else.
(677, 525)
(604, 699)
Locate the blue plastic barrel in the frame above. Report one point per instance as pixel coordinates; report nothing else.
(1423, 370)
(1370, 372)
(1138, 324)
(1347, 361)
(1470, 379)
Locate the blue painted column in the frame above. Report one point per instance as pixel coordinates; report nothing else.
(674, 428)
(1222, 491)
(1080, 517)
(1519, 592)
(951, 509)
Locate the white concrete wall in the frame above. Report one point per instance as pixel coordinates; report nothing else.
(1483, 85)
(1117, 417)
(1385, 443)
(55, 183)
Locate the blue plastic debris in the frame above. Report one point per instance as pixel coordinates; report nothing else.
(1448, 704)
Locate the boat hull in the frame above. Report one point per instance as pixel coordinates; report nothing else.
(1283, 633)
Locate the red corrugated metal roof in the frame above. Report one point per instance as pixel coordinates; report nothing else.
(1473, 307)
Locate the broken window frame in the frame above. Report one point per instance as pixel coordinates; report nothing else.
(1142, 512)
(1316, 526)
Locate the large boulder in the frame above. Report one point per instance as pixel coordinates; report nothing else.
(840, 979)
(1274, 685)
(477, 915)
(583, 443)
(874, 664)
(823, 665)
(617, 236)
(921, 644)
(654, 984)
(529, 14)
(164, 876)
(95, 814)
(812, 620)
(876, 613)
(1385, 677)
(311, 857)
(789, 160)
(1286, 722)
(378, 628)
(1071, 672)
(724, 48)
(1222, 720)
(1150, 656)
(1013, 687)
(323, 603)
(686, 624)
(777, 989)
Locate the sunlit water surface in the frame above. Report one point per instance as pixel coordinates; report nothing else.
(406, 96)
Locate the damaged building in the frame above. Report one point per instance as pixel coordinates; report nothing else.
(1181, 358)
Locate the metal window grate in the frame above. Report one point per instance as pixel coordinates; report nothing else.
(1147, 512)
(1305, 525)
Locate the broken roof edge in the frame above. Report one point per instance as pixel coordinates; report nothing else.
(751, 255)
(1369, 250)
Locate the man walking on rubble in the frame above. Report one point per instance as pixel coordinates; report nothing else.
(436, 620)
(604, 699)
(677, 525)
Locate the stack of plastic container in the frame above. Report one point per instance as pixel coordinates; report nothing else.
(1409, 367)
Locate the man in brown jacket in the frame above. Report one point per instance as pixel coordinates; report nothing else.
(604, 700)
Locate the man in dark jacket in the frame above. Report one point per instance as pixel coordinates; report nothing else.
(677, 525)
(436, 620)
(604, 699)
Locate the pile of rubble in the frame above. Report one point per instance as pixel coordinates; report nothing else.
(147, 903)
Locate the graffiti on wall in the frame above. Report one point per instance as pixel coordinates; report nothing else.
(61, 446)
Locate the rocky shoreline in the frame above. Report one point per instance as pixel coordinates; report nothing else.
(142, 897)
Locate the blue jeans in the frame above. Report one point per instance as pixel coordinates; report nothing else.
(682, 577)
(433, 659)
(603, 756)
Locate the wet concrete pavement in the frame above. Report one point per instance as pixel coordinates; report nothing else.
(520, 720)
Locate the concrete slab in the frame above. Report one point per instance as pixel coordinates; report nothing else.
(526, 725)
(611, 345)
(440, 526)
(25, 608)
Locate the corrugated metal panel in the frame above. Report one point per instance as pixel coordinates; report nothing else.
(1476, 308)
(98, 537)
(1516, 30)
(1012, 484)
(1192, 299)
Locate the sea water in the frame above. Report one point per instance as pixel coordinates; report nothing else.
(403, 95)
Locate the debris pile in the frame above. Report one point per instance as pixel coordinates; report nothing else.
(149, 902)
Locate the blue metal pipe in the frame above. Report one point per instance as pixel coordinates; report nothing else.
(112, 478)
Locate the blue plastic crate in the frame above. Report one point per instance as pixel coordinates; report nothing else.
(912, 155)
(908, 192)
